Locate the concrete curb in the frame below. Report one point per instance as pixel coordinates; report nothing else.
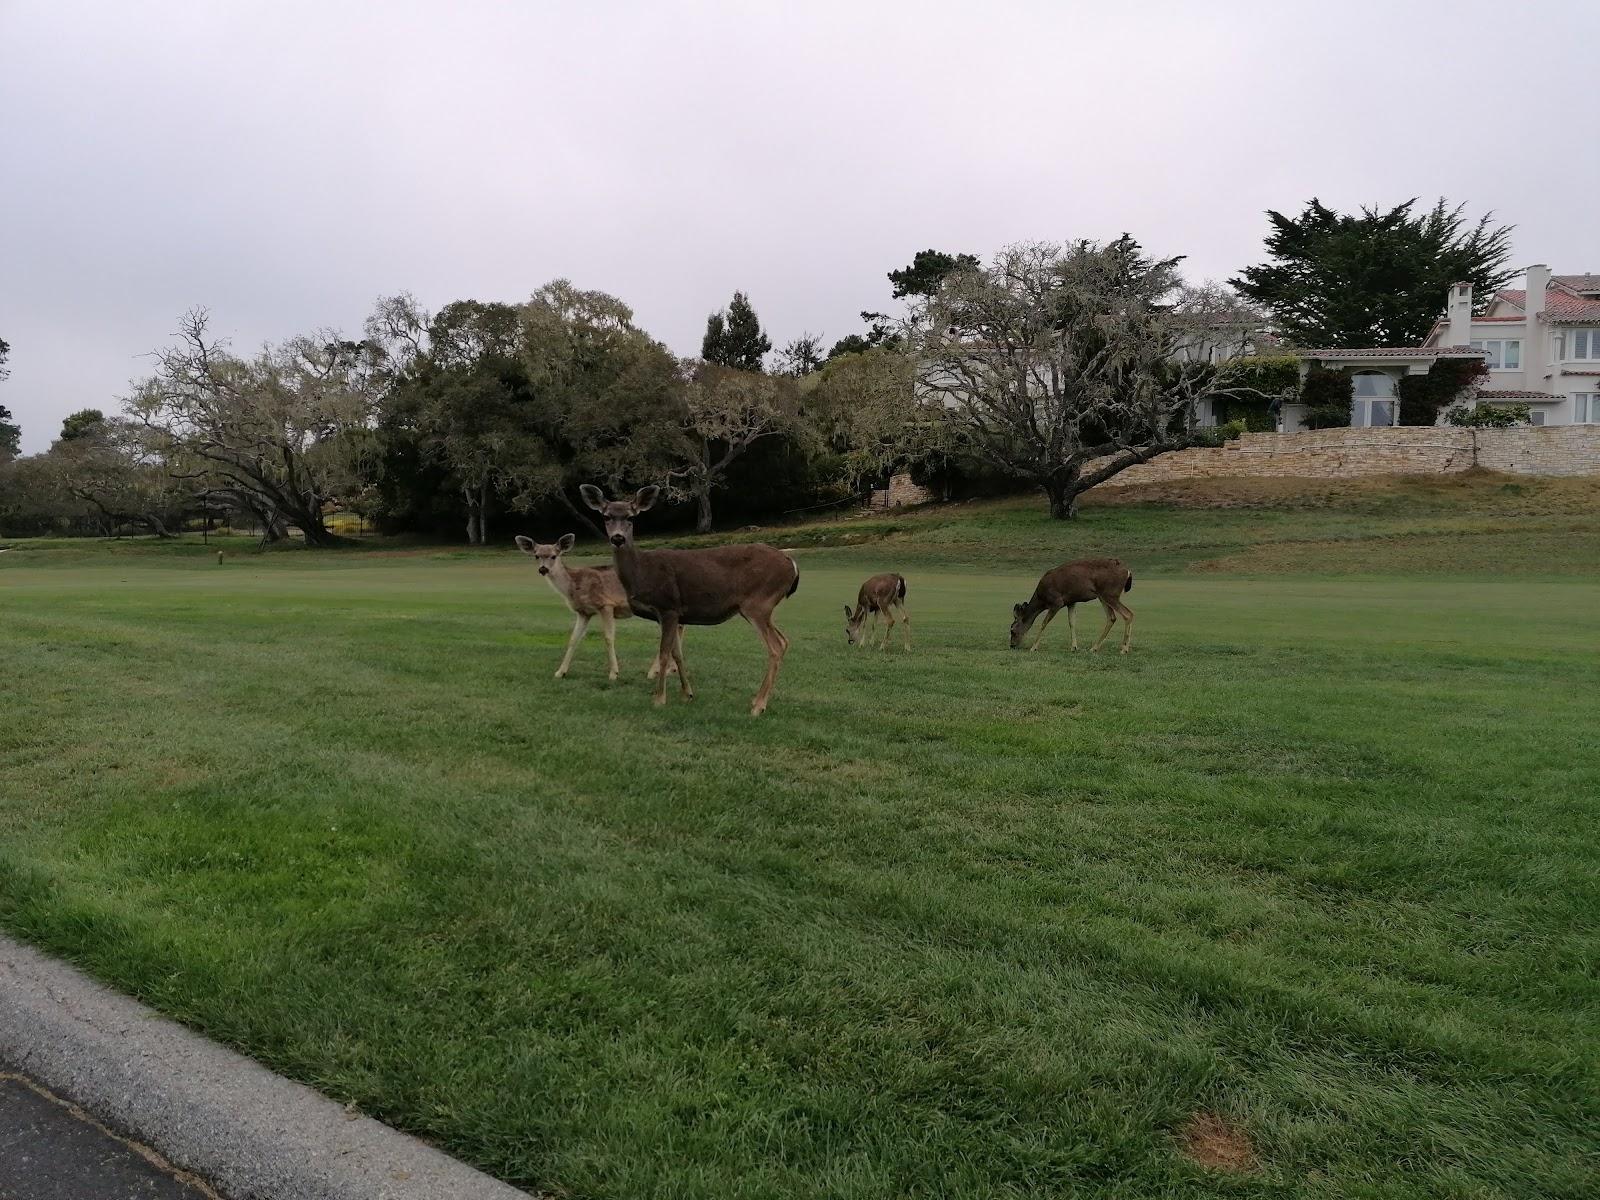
(253, 1134)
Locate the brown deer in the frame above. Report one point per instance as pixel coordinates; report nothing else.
(1074, 583)
(881, 594)
(697, 587)
(589, 592)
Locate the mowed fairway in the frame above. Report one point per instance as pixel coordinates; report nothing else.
(1320, 857)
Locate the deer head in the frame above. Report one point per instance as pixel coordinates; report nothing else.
(619, 514)
(853, 623)
(1021, 621)
(545, 553)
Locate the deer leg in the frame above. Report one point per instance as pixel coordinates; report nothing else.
(608, 626)
(669, 632)
(677, 667)
(888, 630)
(1111, 619)
(1048, 617)
(777, 645)
(672, 667)
(1127, 626)
(580, 626)
(1072, 625)
(905, 625)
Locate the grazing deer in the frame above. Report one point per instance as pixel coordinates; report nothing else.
(1074, 583)
(881, 594)
(589, 592)
(697, 587)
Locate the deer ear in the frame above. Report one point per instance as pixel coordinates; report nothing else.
(1017, 608)
(525, 544)
(645, 497)
(847, 613)
(593, 497)
(565, 542)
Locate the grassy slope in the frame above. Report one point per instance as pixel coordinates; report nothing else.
(1320, 855)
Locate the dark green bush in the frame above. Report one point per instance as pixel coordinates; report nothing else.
(1327, 395)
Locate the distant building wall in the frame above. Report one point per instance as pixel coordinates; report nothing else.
(1404, 450)
(900, 493)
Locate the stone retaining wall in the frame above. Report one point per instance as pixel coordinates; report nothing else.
(1347, 453)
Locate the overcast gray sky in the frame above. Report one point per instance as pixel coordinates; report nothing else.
(286, 163)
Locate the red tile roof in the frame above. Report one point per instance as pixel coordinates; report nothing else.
(1515, 394)
(1578, 283)
(1396, 352)
(1560, 303)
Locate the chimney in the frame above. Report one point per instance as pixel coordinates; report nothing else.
(1459, 332)
(1538, 285)
(1534, 342)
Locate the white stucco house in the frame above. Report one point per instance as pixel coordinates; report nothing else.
(1541, 344)
(1541, 341)
(1375, 378)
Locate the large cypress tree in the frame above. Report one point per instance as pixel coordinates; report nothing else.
(1374, 279)
(735, 338)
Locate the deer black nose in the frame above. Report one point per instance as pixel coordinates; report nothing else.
(617, 539)
(544, 570)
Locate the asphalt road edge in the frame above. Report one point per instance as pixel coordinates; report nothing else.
(252, 1133)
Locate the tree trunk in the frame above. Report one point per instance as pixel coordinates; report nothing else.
(579, 514)
(316, 533)
(702, 519)
(474, 516)
(1063, 492)
(483, 514)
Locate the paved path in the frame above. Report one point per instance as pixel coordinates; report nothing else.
(50, 1150)
(232, 1121)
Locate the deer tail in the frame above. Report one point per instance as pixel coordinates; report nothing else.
(795, 586)
(1128, 587)
(902, 580)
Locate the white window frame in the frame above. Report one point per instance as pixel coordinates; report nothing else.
(1591, 345)
(1500, 349)
(1586, 408)
(1361, 417)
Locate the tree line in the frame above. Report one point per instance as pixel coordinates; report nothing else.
(1052, 366)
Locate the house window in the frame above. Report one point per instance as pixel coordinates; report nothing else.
(1536, 416)
(1583, 344)
(1505, 354)
(1586, 408)
(1374, 403)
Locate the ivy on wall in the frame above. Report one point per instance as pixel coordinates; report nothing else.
(1424, 397)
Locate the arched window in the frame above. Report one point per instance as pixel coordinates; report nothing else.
(1374, 398)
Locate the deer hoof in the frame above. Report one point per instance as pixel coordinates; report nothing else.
(561, 674)
(658, 700)
(1125, 649)
(612, 677)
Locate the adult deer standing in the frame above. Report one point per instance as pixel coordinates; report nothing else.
(881, 594)
(1074, 583)
(697, 587)
(589, 592)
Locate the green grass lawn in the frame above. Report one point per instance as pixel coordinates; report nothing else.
(1320, 857)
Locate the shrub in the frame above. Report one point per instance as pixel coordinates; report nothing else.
(1327, 395)
(1423, 396)
(1488, 416)
(1248, 388)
